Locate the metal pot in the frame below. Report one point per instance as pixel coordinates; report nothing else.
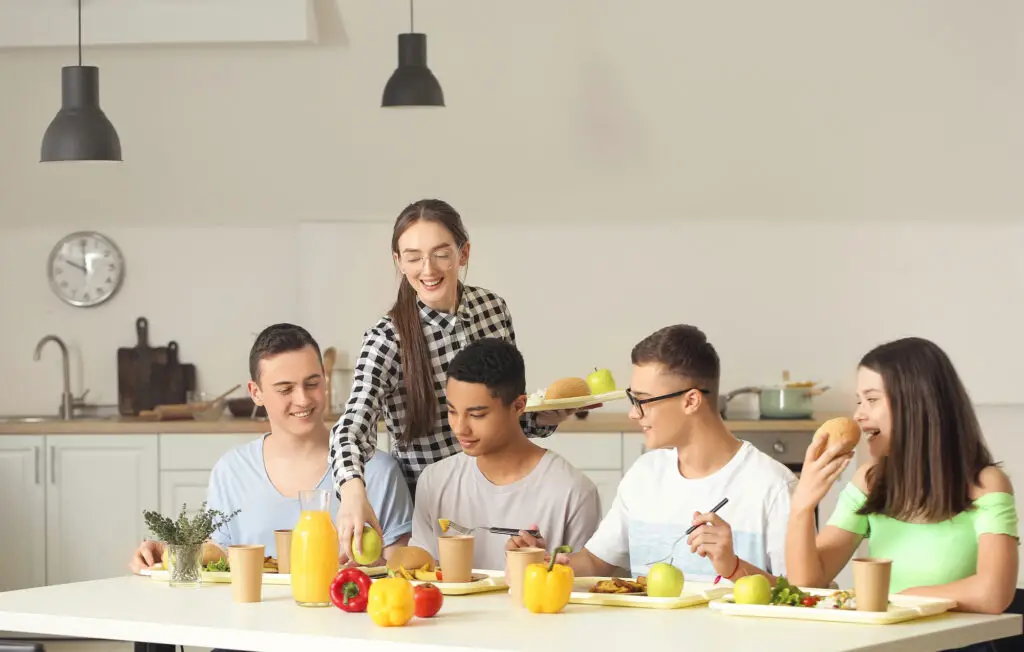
(780, 401)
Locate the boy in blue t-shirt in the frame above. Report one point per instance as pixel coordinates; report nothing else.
(263, 478)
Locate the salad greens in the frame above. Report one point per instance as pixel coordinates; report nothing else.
(220, 565)
(785, 593)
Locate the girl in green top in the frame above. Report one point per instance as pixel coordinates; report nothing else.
(930, 499)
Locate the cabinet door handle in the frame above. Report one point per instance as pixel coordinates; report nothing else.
(37, 456)
(53, 465)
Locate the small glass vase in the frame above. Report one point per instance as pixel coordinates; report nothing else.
(185, 565)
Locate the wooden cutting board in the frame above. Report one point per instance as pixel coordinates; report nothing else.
(135, 389)
(173, 380)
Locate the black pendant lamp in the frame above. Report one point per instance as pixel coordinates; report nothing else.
(80, 131)
(412, 83)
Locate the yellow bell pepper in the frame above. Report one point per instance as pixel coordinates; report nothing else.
(546, 589)
(390, 602)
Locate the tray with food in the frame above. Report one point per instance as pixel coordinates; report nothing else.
(419, 567)
(627, 592)
(788, 601)
(218, 572)
(481, 581)
(573, 393)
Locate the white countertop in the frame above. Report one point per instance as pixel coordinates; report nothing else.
(140, 609)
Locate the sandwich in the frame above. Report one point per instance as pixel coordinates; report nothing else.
(842, 433)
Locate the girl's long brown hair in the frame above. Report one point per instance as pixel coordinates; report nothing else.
(421, 403)
(937, 450)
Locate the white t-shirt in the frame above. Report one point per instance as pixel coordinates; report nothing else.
(654, 506)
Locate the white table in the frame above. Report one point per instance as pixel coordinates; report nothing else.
(140, 609)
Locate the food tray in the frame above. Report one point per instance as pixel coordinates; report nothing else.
(483, 581)
(901, 608)
(270, 576)
(577, 402)
(694, 594)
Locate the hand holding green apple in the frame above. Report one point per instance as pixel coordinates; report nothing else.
(372, 547)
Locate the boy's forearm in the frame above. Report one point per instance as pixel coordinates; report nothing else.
(745, 568)
(585, 564)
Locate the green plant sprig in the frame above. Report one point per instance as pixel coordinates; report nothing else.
(186, 531)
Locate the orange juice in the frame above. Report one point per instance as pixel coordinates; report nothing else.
(314, 553)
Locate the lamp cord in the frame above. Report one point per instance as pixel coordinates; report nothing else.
(79, 33)
(411, 28)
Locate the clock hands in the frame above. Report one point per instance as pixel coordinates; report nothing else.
(76, 265)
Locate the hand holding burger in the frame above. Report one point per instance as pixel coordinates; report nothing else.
(827, 457)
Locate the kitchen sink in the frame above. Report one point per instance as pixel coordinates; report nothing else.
(27, 419)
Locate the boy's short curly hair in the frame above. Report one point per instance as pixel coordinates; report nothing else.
(492, 362)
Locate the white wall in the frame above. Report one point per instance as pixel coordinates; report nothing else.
(802, 179)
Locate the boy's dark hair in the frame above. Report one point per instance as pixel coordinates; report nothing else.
(685, 351)
(492, 362)
(279, 338)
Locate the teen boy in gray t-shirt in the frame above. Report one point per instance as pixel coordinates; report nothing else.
(501, 478)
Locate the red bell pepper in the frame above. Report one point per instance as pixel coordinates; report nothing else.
(350, 589)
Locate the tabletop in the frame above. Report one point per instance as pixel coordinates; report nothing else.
(140, 609)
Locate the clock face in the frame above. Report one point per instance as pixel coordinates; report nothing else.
(85, 269)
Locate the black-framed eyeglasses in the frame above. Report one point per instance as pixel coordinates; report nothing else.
(639, 403)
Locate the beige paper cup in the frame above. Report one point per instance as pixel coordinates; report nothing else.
(516, 562)
(871, 583)
(246, 564)
(283, 544)
(456, 557)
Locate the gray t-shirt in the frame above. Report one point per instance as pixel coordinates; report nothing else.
(554, 495)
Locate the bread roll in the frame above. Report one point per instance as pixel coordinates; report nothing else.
(410, 558)
(567, 388)
(840, 431)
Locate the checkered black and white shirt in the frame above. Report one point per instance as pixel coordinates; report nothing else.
(377, 386)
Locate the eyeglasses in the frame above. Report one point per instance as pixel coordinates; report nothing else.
(639, 403)
(439, 259)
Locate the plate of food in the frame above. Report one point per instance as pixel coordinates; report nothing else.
(573, 393)
(629, 592)
(788, 601)
(419, 567)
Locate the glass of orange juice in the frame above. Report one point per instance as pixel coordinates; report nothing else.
(314, 550)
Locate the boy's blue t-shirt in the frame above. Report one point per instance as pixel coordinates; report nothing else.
(239, 481)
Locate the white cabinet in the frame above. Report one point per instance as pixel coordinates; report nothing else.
(179, 488)
(632, 448)
(597, 454)
(72, 505)
(97, 487)
(607, 484)
(22, 512)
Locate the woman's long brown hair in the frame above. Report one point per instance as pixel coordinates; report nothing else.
(421, 403)
(937, 450)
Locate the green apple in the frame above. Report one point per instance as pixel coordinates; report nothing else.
(600, 381)
(752, 589)
(664, 581)
(372, 547)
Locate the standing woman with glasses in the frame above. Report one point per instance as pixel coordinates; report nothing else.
(400, 371)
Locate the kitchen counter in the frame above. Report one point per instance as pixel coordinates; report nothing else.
(596, 421)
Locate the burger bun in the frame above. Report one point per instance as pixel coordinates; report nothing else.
(567, 388)
(842, 434)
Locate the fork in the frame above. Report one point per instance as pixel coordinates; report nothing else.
(466, 531)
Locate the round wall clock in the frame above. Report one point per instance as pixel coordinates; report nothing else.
(85, 269)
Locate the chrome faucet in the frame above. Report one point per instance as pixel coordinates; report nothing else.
(66, 400)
